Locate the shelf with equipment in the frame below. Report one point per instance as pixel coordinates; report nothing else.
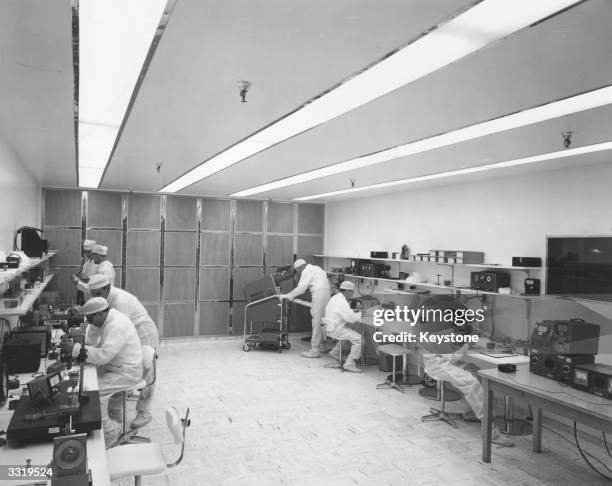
(11, 273)
(28, 300)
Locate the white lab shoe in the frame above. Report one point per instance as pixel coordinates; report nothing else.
(313, 353)
(142, 419)
(499, 439)
(351, 366)
(335, 353)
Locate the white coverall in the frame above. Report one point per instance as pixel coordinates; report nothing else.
(314, 279)
(117, 353)
(106, 267)
(441, 367)
(129, 305)
(89, 269)
(338, 312)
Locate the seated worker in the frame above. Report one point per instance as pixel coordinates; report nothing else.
(129, 305)
(338, 314)
(312, 278)
(440, 362)
(88, 269)
(112, 344)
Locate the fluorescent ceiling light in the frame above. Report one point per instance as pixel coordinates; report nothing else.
(561, 154)
(483, 24)
(114, 39)
(567, 106)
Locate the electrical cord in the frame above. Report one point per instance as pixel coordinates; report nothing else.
(582, 453)
(603, 434)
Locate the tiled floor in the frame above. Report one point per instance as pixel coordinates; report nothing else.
(263, 418)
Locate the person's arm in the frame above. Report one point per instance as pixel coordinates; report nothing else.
(114, 340)
(348, 315)
(302, 286)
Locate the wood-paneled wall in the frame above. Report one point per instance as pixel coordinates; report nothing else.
(186, 258)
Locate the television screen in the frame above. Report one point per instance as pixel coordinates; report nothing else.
(580, 266)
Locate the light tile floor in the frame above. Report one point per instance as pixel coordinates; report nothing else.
(263, 418)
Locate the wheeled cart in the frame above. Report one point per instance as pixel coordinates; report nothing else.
(265, 317)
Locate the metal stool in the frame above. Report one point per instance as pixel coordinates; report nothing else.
(442, 415)
(393, 350)
(324, 323)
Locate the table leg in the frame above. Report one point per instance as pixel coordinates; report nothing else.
(487, 420)
(537, 430)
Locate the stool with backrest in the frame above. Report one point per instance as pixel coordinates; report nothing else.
(137, 460)
(129, 436)
(324, 323)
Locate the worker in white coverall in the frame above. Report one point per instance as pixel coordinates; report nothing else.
(112, 344)
(88, 270)
(105, 266)
(338, 314)
(312, 278)
(441, 362)
(127, 303)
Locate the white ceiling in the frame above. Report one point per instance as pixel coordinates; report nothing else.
(188, 108)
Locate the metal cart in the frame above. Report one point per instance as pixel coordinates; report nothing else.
(266, 308)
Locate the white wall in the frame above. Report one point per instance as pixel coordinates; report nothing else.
(503, 217)
(20, 194)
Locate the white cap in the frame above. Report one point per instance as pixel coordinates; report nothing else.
(98, 281)
(346, 285)
(96, 304)
(100, 249)
(88, 245)
(300, 262)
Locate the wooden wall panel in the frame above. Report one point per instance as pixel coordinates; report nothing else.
(143, 211)
(179, 284)
(216, 214)
(238, 318)
(308, 246)
(214, 318)
(215, 249)
(62, 282)
(280, 250)
(248, 249)
(62, 208)
(68, 244)
(180, 248)
(311, 218)
(104, 209)
(178, 320)
(249, 216)
(143, 283)
(280, 218)
(143, 248)
(214, 283)
(243, 276)
(181, 213)
(110, 238)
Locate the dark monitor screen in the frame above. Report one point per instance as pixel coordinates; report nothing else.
(580, 266)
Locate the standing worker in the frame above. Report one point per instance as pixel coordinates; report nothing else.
(88, 269)
(312, 278)
(338, 314)
(112, 344)
(105, 267)
(129, 305)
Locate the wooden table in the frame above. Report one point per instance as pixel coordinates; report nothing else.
(544, 395)
(41, 453)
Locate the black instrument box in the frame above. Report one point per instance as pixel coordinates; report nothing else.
(44, 430)
(574, 336)
(559, 367)
(379, 254)
(593, 378)
(532, 286)
(526, 262)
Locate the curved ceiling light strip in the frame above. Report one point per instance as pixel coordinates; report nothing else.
(485, 23)
(558, 155)
(116, 52)
(566, 106)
